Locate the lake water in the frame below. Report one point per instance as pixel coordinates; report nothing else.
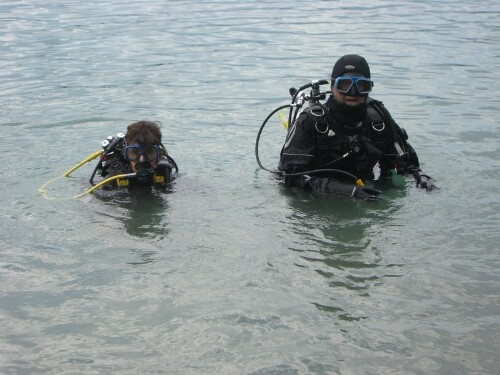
(229, 273)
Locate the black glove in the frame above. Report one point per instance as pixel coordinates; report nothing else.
(328, 185)
(424, 181)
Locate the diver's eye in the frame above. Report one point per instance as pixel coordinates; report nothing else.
(344, 84)
(132, 154)
(151, 153)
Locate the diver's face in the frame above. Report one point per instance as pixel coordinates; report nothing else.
(142, 156)
(352, 98)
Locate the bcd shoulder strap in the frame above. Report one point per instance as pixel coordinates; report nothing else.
(318, 115)
(382, 116)
(376, 116)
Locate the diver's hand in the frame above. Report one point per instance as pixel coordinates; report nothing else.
(425, 182)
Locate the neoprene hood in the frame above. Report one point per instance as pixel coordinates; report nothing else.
(351, 64)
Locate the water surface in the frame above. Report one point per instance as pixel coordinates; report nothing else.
(229, 273)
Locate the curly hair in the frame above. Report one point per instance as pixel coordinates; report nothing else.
(144, 133)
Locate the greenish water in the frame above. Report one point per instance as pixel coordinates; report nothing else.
(229, 273)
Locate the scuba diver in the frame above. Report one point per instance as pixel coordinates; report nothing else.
(331, 146)
(137, 158)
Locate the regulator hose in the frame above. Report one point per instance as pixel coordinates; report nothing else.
(260, 132)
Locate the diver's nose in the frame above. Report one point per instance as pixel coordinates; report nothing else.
(142, 158)
(352, 91)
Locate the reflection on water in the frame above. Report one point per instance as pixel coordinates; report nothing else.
(127, 284)
(143, 213)
(337, 234)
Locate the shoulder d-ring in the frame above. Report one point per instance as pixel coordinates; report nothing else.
(321, 131)
(320, 113)
(380, 127)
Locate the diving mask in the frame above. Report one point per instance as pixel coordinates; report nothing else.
(134, 152)
(345, 84)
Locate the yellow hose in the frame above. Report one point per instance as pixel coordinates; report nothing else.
(43, 189)
(86, 160)
(103, 182)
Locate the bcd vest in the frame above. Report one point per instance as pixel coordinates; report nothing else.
(359, 152)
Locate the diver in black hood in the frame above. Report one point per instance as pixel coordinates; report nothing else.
(349, 133)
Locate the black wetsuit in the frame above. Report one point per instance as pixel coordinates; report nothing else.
(326, 136)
